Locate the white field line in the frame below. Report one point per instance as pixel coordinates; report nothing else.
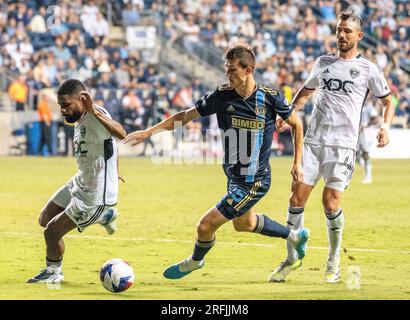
(24, 234)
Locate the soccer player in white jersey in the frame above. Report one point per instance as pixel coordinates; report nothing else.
(368, 132)
(342, 82)
(91, 195)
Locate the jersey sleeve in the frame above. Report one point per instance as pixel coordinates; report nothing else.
(377, 82)
(312, 82)
(282, 107)
(100, 129)
(208, 104)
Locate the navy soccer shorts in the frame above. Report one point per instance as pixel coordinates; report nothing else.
(242, 196)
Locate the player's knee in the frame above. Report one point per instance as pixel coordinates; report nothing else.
(330, 206)
(204, 227)
(50, 233)
(43, 219)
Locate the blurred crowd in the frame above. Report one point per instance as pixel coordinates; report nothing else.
(287, 37)
(44, 45)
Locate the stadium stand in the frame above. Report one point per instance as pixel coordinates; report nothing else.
(44, 43)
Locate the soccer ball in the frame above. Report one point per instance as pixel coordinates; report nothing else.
(116, 275)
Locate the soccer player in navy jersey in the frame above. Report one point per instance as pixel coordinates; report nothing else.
(246, 113)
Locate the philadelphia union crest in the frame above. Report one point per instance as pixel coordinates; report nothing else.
(260, 111)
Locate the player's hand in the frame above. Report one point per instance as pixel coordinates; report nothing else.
(382, 138)
(136, 137)
(281, 125)
(297, 173)
(88, 102)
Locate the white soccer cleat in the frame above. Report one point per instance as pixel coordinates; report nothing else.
(285, 267)
(110, 220)
(332, 273)
(367, 180)
(48, 275)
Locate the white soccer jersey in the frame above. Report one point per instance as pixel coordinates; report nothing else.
(96, 182)
(343, 85)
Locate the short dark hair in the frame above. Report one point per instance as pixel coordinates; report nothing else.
(349, 14)
(70, 87)
(243, 53)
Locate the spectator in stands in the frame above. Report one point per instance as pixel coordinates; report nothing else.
(18, 92)
(381, 58)
(297, 56)
(327, 11)
(38, 23)
(60, 51)
(269, 76)
(51, 70)
(106, 82)
(99, 28)
(113, 105)
(122, 75)
(190, 34)
(132, 112)
(26, 48)
(129, 15)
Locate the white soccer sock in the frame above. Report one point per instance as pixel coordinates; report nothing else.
(295, 219)
(335, 224)
(293, 236)
(189, 264)
(368, 169)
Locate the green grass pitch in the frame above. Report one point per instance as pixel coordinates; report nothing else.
(160, 206)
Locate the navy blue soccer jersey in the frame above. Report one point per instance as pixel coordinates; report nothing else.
(246, 128)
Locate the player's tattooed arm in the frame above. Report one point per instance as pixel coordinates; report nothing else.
(383, 134)
(177, 120)
(113, 127)
(297, 133)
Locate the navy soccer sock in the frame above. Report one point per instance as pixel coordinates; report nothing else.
(202, 248)
(270, 228)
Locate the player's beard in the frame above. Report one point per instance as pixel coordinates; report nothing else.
(346, 47)
(74, 118)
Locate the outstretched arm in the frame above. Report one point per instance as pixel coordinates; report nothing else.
(301, 97)
(113, 127)
(297, 133)
(182, 118)
(383, 134)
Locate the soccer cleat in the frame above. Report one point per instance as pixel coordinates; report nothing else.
(367, 180)
(48, 275)
(332, 273)
(285, 267)
(300, 246)
(109, 220)
(180, 270)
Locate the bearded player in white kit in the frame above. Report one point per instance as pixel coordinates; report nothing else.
(342, 82)
(91, 195)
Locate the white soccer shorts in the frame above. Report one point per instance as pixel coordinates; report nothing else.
(334, 164)
(82, 214)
